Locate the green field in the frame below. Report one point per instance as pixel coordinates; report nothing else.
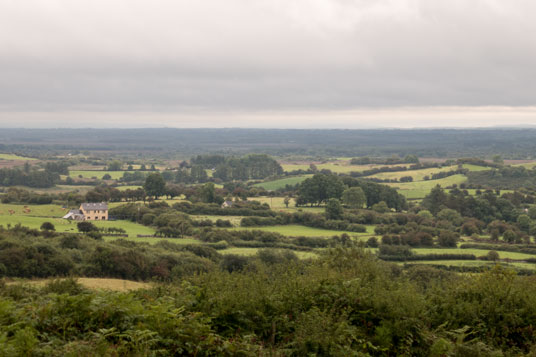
(472, 167)
(281, 183)
(474, 263)
(32, 210)
(131, 187)
(253, 251)
(476, 252)
(418, 175)
(64, 225)
(153, 240)
(339, 167)
(419, 189)
(294, 230)
(235, 220)
(98, 174)
(527, 165)
(15, 157)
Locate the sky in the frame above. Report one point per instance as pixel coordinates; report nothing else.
(267, 63)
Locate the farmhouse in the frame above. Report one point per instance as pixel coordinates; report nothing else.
(89, 212)
(227, 204)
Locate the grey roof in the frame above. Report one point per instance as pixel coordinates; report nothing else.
(94, 206)
(74, 214)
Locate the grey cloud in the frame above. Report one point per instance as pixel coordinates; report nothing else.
(213, 55)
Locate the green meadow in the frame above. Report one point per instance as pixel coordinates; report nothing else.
(337, 166)
(475, 252)
(294, 230)
(419, 189)
(281, 183)
(472, 167)
(98, 174)
(15, 157)
(253, 251)
(418, 175)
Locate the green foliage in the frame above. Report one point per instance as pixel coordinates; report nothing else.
(86, 227)
(47, 226)
(154, 185)
(334, 209)
(319, 189)
(354, 197)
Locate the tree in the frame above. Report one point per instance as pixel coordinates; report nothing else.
(47, 226)
(523, 222)
(115, 165)
(532, 212)
(450, 215)
(435, 200)
(334, 209)
(286, 201)
(448, 239)
(106, 177)
(208, 193)
(319, 188)
(492, 255)
(86, 227)
(510, 236)
(354, 197)
(155, 185)
(380, 207)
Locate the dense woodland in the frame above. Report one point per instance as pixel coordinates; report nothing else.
(510, 143)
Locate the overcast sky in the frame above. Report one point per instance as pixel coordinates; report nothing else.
(267, 63)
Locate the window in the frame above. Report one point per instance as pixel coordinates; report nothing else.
(103, 217)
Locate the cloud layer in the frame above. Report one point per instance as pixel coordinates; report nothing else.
(211, 56)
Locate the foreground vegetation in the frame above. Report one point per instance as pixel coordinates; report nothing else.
(345, 303)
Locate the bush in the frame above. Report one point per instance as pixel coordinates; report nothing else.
(234, 262)
(372, 242)
(47, 226)
(86, 227)
(448, 239)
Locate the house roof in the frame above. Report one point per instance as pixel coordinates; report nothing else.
(94, 206)
(74, 213)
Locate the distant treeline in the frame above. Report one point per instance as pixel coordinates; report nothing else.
(510, 143)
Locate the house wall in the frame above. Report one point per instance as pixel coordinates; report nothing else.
(95, 215)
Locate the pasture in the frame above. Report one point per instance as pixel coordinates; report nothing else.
(472, 167)
(527, 165)
(15, 157)
(252, 251)
(278, 204)
(32, 210)
(475, 263)
(339, 167)
(235, 220)
(281, 183)
(418, 175)
(295, 230)
(128, 187)
(419, 189)
(153, 240)
(96, 173)
(475, 252)
(93, 283)
(64, 225)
